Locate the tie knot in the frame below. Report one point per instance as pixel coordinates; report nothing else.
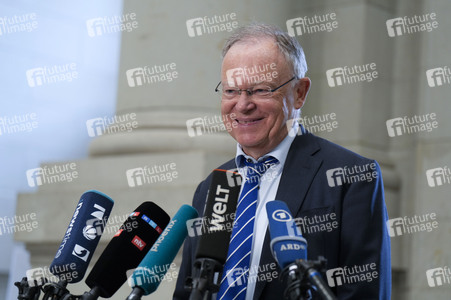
(256, 170)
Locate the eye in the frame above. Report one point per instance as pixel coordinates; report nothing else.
(262, 91)
(230, 92)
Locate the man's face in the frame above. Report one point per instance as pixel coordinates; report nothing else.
(259, 124)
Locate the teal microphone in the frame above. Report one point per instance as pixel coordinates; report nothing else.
(147, 276)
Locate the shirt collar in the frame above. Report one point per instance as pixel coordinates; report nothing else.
(280, 152)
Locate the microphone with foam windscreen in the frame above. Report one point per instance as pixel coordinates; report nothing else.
(126, 250)
(76, 250)
(147, 276)
(82, 236)
(287, 242)
(289, 249)
(216, 227)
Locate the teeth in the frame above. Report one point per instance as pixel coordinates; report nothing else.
(245, 122)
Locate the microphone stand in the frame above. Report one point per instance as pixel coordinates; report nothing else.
(26, 292)
(56, 291)
(202, 282)
(51, 290)
(302, 277)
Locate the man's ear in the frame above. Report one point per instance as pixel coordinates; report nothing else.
(301, 91)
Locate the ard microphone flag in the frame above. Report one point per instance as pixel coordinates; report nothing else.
(287, 243)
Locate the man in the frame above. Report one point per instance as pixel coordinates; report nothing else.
(336, 195)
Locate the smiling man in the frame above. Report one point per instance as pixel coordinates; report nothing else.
(263, 86)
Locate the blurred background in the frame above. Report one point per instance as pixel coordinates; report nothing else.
(69, 70)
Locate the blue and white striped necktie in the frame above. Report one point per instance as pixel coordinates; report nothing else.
(236, 269)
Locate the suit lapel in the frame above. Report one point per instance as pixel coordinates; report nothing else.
(299, 170)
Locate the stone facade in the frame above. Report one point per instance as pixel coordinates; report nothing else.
(362, 109)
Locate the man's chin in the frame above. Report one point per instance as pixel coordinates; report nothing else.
(248, 142)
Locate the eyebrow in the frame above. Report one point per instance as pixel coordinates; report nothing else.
(269, 84)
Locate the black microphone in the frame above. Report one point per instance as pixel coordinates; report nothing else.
(216, 227)
(126, 250)
(151, 271)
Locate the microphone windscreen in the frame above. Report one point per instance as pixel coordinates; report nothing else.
(127, 248)
(287, 243)
(82, 236)
(156, 263)
(217, 224)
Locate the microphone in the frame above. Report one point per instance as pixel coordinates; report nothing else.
(75, 251)
(217, 225)
(289, 249)
(126, 250)
(287, 243)
(82, 236)
(152, 269)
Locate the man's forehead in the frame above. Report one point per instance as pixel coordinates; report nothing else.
(258, 55)
(259, 50)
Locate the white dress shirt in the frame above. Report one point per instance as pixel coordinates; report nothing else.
(267, 192)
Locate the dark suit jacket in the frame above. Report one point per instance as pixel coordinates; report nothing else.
(361, 237)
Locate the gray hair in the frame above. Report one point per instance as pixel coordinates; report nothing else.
(288, 45)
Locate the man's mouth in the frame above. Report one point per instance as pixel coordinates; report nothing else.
(248, 121)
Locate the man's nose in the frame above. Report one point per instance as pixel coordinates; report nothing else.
(245, 101)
